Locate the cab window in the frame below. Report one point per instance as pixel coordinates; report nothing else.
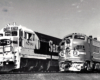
(29, 36)
(20, 32)
(79, 37)
(62, 43)
(25, 35)
(70, 36)
(8, 33)
(33, 37)
(11, 33)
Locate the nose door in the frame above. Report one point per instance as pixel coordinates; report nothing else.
(89, 49)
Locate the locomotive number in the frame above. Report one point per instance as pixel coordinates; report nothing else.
(53, 47)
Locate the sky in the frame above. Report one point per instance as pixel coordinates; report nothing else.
(57, 18)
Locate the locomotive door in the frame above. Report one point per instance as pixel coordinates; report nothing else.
(20, 37)
(90, 49)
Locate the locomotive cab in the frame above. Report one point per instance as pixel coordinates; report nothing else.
(14, 42)
(9, 42)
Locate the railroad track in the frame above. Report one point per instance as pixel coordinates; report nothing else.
(31, 72)
(24, 72)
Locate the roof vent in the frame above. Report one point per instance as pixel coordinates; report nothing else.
(95, 38)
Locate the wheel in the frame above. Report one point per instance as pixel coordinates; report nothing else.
(61, 67)
(47, 65)
(97, 66)
(88, 68)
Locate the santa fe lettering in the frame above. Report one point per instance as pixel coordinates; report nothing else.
(53, 47)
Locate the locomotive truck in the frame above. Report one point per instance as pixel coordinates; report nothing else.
(79, 52)
(23, 49)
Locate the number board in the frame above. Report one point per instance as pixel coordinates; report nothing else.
(10, 29)
(14, 28)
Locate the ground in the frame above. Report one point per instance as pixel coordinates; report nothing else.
(51, 76)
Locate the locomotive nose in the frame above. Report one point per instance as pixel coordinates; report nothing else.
(68, 41)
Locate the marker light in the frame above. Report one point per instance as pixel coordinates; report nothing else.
(62, 54)
(75, 53)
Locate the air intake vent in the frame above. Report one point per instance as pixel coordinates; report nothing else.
(95, 38)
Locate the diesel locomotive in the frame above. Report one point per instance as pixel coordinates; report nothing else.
(22, 49)
(79, 52)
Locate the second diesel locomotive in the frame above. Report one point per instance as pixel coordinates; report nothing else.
(22, 49)
(79, 52)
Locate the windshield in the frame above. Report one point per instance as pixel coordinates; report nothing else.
(70, 36)
(79, 37)
(11, 33)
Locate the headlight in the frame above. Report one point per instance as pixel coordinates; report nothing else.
(75, 53)
(67, 49)
(8, 42)
(7, 48)
(62, 54)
